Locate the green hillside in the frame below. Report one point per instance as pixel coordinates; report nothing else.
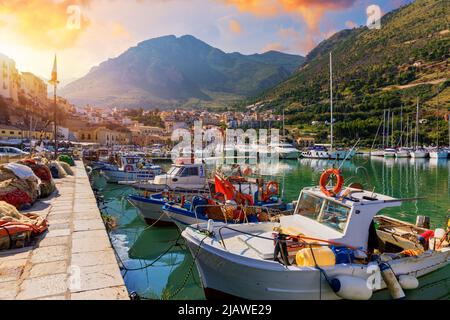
(373, 70)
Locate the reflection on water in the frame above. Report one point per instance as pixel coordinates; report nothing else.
(139, 246)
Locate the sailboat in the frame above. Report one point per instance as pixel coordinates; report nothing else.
(418, 152)
(325, 152)
(401, 152)
(379, 153)
(390, 152)
(438, 153)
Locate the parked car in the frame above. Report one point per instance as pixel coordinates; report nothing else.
(12, 152)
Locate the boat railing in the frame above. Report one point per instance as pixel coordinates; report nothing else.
(227, 209)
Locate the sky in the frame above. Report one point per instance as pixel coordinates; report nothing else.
(84, 33)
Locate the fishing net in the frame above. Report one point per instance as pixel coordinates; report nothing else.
(67, 159)
(57, 170)
(16, 229)
(66, 168)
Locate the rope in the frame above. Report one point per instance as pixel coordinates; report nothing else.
(189, 271)
(146, 265)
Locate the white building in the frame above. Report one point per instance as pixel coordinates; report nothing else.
(9, 78)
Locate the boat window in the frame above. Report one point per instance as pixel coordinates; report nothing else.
(174, 171)
(309, 206)
(334, 216)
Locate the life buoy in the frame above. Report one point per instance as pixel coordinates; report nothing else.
(272, 188)
(324, 181)
(128, 168)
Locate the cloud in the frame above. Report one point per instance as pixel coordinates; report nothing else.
(310, 10)
(350, 24)
(234, 26)
(274, 46)
(43, 23)
(118, 30)
(297, 42)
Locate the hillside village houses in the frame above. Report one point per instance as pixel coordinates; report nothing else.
(101, 125)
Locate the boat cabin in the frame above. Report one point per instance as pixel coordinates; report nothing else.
(345, 219)
(133, 163)
(183, 174)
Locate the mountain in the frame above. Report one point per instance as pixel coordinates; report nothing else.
(373, 70)
(169, 70)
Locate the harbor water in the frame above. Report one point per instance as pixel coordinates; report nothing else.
(157, 264)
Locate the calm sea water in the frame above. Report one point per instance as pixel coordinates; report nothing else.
(139, 246)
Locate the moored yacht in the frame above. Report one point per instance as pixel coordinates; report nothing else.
(285, 150)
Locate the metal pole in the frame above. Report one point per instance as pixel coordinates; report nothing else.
(331, 97)
(54, 121)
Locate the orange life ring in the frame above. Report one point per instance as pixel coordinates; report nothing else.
(272, 188)
(324, 181)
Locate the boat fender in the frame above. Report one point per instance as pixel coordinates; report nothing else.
(408, 282)
(351, 288)
(394, 287)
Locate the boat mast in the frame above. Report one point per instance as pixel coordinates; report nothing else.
(401, 126)
(416, 138)
(388, 121)
(331, 97)
(392, 130)
(384, 127)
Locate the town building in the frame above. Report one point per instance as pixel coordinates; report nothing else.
(9, 79)
(33, 87)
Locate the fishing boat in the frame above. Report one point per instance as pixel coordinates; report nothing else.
(130, 168)
(150, 208)
(228, 205)
(183, 176)
(333, 247)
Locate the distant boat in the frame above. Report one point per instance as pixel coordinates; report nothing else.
(285, 150)
(130, 168)
(322, 152)
(390, 153)
(418, 152)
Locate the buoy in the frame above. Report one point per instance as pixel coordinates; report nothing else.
(394, 287)
(351, 288)
(408, 282)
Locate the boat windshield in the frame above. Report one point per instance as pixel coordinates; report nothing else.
(326, 212)
(309, 206)
(334, 216)
(173, 171)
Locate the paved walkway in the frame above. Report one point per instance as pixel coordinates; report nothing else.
(74, 259)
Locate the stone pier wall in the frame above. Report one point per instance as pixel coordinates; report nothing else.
(74, 259)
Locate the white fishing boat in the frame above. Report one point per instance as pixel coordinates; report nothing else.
(333, 247)
(182, 176)
(130, 168)
(150, 208)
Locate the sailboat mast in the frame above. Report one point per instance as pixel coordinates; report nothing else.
(392, 130)
(384, 127)
(416, 138)
(331, 98)
(401, 126)
(388, 121)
